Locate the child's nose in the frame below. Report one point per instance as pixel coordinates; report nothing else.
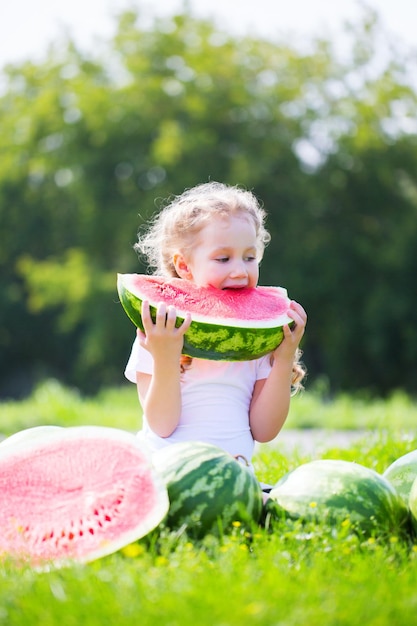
(239, 269)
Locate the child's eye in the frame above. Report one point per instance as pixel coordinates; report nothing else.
(250, 258)
(222, 259)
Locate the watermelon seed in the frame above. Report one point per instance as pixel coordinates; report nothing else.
(91, 531)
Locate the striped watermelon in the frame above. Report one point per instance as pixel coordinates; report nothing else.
(208, 488)
(228, 324)
(402, 473)
(75, 494)
(333, 490)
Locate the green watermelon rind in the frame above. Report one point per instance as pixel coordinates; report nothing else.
(29, 435)
(217, 342)
(332, 491)
(412, 506)
(208, 489)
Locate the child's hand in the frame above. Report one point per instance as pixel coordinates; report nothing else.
(293, 335)
(162, 338)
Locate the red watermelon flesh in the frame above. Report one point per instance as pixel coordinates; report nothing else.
(76, 494)
(241, 307)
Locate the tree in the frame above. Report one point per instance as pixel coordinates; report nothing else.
(91, 146)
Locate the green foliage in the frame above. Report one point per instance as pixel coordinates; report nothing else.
(51, 403)
(315, 409)
(65, 283)
(90, 145)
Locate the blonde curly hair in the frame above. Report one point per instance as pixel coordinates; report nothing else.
(175, 227)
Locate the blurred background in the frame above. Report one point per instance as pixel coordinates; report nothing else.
(107, 108)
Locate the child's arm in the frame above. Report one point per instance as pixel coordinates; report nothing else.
(271, 396)
(160, 394)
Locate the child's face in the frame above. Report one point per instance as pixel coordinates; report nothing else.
(225, 255)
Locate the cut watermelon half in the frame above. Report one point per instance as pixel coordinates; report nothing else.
(76, 494)
(227, 324)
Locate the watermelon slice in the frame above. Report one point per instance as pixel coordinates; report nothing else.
(75, 494)
(227, 324)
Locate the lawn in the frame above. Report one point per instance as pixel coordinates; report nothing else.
(290, 574)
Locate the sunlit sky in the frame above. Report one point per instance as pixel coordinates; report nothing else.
(28, 26)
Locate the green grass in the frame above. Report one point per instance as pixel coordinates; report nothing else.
(315, 408)
(289, 575)
(51, 403)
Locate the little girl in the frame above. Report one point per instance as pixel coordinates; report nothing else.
(213, 235)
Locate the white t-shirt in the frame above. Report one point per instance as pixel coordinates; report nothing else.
(215, 401)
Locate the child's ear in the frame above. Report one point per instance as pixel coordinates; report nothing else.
(181, 267)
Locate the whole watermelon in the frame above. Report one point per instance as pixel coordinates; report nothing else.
(402, 473)
(208, 488)
(332, 491)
